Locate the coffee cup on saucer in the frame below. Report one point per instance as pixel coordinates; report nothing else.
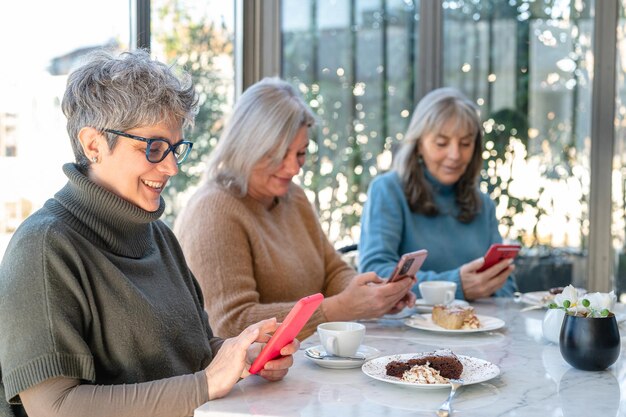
(341, 338)
(438, 292)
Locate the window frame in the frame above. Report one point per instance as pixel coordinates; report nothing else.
(258, 54)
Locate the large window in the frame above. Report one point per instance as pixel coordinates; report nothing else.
(196, 34)
(619, 161)
(533, 67)
(534, 91)
(355, 63)
(199, 36)
(528, 65)
(39, 48)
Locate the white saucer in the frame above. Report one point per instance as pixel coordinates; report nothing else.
(422, 305)
(368, 353)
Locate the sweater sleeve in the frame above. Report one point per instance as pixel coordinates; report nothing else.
(45, 314)
(454, 275)
(382, 224)
(66, 397)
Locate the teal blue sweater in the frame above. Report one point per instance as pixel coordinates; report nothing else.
(389, 229)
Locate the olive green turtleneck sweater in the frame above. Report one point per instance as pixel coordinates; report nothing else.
(94, 288)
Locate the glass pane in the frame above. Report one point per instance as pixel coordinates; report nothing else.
(354, 62)
(197, 35)
(534, 91)
(38, 53)
(619, 159)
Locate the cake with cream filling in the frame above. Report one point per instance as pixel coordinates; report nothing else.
(446, 364)
(455, 317)
(423, 374)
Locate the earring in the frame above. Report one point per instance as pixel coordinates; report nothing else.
(94, 159)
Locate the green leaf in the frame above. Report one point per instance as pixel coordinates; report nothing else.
(586, 303)
(566, 304)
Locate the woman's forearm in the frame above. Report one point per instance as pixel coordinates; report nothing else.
(66, 397)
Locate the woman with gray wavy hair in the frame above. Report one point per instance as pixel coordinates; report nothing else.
(252, 237)
(430, 200)
(100, 314)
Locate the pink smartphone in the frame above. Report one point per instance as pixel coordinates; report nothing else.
(408, 265)
(287, 331)
(498, 252)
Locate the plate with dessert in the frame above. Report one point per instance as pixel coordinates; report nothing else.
(454, 319)
(430, 370)
(544, 298)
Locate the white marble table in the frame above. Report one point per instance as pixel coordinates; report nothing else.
(534, 380)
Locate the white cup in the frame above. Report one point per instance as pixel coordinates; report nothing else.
(437, 292)
(341, 338)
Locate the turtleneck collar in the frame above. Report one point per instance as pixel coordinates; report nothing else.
(103, 217)
(437, 186)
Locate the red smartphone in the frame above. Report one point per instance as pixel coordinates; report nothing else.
(287, 331)
(498, 252)
(408, 265)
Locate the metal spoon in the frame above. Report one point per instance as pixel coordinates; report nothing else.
(445, 410)
(316, 354)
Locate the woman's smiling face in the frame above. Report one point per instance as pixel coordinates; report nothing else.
(267, 181)
(126, 172)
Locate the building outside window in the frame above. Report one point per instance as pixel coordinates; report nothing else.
(40, 47)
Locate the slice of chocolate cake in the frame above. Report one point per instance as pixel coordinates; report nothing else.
(444, 361)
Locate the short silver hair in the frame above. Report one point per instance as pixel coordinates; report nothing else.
(263, 124)
(124, 92)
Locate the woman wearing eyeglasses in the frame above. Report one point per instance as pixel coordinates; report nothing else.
(253, 239)
(99, 313)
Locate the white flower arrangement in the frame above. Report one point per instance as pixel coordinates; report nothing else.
(593, 305)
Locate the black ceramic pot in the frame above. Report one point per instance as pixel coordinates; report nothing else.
(590, 344)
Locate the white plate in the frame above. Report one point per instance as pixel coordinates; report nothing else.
(423, 306)
(474, 371)
(543, 298)
(537, 298)
(425, 322)
(368, 353)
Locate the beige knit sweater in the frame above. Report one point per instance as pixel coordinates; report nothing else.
(253, 263)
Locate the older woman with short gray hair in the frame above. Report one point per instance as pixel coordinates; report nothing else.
(99, 314)
(251, 236)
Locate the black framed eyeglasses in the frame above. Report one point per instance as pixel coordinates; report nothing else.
(158, 149)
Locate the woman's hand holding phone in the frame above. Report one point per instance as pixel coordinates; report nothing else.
(232, 360)
(483, 284)
(408, 265)
(286, 333)
(497, 253)
(366, 296)
(275, 369)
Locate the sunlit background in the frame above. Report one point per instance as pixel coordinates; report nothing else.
(529, 65)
